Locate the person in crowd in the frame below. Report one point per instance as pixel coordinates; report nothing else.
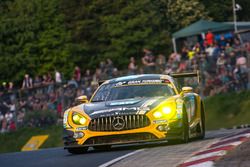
(77, 74)
(10, 87)
(58, 77)
(12, 126)
(222, 42)
(148, 61)
(87, 77)
(160, 63)
(4, 125)
(27, 82)
(237, 47)
(73, 83)
(184, 53)
(221, 61)
(49, 78)
(37, 81)
(102, 66)
(115, 73)
(20, 118)
(109, 68)
(228, 49)
(197, 48)
(132, 67)
(8, 116)
(209, 38)
(4, 87)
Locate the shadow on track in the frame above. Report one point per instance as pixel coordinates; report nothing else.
(137, 146)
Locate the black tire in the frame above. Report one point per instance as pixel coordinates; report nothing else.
(102, 148)
(202, 128)
(78, 150)
(185, 128)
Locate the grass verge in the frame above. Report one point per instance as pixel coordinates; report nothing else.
(227, 110)
(14, 141)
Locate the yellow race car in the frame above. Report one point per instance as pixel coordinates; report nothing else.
(135, 109)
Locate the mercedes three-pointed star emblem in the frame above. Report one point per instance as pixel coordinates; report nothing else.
(118, 123)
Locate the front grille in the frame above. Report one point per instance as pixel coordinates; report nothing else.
(128, 122)
(119, 139)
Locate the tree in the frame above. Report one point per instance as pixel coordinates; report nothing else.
(221, 10)
(181, 13)
(33, 39)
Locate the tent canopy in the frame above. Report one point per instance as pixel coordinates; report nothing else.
(202, 26)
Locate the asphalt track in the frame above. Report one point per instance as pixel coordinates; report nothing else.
(157, 154)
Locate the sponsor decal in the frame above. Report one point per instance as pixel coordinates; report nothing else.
(179, 105)
(120, 83)
(160, 121)
(145, 107)
(82, 128)
(142, 82)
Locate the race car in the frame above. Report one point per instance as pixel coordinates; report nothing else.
(135, 109)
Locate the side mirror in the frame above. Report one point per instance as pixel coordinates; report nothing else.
(82, 99)
(187, 89)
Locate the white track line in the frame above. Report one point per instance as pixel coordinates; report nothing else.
(247, 135)
(211, 154)
(236, 143)
(120, 158)
(204, 164)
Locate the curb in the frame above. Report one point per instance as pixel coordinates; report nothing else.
(207, 157)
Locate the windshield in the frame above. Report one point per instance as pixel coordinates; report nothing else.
(115, 91)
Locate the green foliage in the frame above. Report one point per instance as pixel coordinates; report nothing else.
(182, 13)
(37, 36)
(33, 38)
(221, 10)
(227, 110)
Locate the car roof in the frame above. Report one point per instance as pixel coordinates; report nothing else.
(140, 77)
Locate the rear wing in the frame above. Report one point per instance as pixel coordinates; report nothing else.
(187, 74)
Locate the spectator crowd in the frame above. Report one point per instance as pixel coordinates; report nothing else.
(222, 60)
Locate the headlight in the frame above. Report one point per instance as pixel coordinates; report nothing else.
(79, 119)
(165, 112)
(157, 114)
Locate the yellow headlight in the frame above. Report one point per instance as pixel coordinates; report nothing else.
(157, 114)
(76, 118)
(79, 119)
(166, 110)
(82, 120)
(163, 112)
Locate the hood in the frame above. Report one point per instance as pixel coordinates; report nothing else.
(121, 107)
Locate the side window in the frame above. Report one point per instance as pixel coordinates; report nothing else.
(102, 93)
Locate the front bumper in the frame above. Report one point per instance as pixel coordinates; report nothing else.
(141, 135)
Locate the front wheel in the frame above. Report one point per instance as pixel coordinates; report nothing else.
(78, 150)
